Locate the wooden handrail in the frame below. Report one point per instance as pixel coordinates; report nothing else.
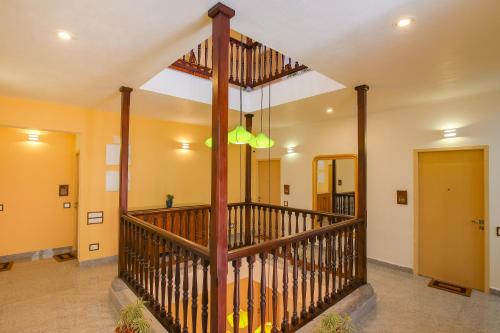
(199, 250)
(280, 242)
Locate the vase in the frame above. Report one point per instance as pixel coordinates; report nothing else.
(170, 203)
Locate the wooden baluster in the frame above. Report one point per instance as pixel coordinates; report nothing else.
(263, 257)
(253, 224)
(340, 260)
(270, 63)
(242, 71)
(177, 292)
(136, 255)
(198, 61)
(356, 254)
(230, 227)
(289, 223)
(260, 64)
(254, 56)
(250, 261)
(265, 222)
(277, 57)
(320, 271)
(351, 256)
(206, 53)
(282, 63)
(275, 221)
(284, 324)
(144, 284)
(289, 63)
(327, 268)
(334, 265)
(345, 258)
(123, 226)
(241, 223)
(312, 307)
(265, 63)
(194, 294)
(204, 298)
(237, 81)
(231, 61)
(187, 223)
(170, 282)
(297, 214)
(236, 295)
(303, 313)
(164, 221)
(203, 226)
(185, 291)
(259, 223)
(236, 224)
(163, 275)
(295, 318)
(296, 64)
(152, 264)
(304, 217)
(275, 291)
(282, 223)
(157, 272)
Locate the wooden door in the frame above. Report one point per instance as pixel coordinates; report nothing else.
(451, 216)
(269, 187)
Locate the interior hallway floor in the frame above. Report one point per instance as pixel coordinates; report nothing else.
(46, 296)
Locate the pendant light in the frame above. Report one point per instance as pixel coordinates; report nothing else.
(261, 140)
(239, 135)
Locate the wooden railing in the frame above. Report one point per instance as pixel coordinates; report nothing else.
(288, 265)
(345, 203)
(164, 269)
(251, 64)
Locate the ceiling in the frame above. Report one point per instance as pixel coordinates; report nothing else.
(451, 51)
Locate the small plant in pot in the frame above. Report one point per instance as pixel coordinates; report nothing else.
(132, 319)
(335, 323)
(170, 201)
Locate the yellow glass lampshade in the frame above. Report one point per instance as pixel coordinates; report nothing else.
(243, 320)
(267, 329)
(261, 141)
(239, 136)
(208, 142)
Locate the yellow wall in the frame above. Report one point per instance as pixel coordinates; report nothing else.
(157, 167)
(30, 174)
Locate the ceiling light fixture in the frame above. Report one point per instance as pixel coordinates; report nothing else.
(33, 137)
(450, 133)
(404, 22)
(64, 35)
(329, 110)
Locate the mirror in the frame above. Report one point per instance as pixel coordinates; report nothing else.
(335, 184)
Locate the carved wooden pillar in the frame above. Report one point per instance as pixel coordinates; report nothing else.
(221, 16)
(248, 182)
(123, 195)
(361, 212)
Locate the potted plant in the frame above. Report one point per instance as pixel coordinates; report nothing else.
(170, 200)
(132, 319)
(335, 323)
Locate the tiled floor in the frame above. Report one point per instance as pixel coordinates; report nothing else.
(406, 304)
(46, 296)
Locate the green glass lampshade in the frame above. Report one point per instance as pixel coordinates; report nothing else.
(239, 136)
(261, 141)
(208, 142)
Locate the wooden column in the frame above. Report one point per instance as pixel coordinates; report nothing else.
(123, 195)
(362, 213)
(248, 181)
(221, 16)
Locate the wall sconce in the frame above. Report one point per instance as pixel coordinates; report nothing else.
(450, 133)
(290, 150)
(33, 137)
(185, 145)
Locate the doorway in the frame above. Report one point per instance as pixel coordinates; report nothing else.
(451, 216)
(269, 175)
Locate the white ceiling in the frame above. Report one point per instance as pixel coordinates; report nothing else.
(453, 49)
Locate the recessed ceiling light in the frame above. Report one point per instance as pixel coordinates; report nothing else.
(404, 22)
(329, 110)
(64, 35)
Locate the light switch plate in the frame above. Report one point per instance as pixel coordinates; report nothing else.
(67, 205)
(94, 247)
(1, 207)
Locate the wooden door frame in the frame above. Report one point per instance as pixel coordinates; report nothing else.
(315, 176)
(257, 174)
(416, 213)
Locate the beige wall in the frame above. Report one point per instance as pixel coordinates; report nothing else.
(391, 139)
(30, 175)
(345, 171)
(157, 167)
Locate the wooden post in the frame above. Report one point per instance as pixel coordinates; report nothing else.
(221, 16)
(362, 213)
(123, 195)
(248, 182)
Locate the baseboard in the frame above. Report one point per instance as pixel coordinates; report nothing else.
(495, 292)
(99, 261)
(36, 255)
(390, 265)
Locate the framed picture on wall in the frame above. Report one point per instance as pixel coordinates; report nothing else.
(63, 190)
